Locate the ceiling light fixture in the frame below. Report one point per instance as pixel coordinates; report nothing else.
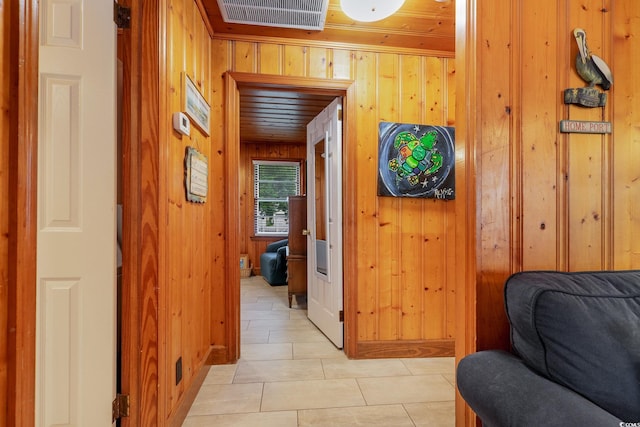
(370, 10)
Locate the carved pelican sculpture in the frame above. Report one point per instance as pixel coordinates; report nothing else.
(590, 67)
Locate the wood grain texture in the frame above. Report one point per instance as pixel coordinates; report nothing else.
(148, 222)
(624, 188)
(20, 37)
(544, 200)
(418, 25)
(249, 243)
(391, 298)
(185, 243)
(4, 206)
(128, 51)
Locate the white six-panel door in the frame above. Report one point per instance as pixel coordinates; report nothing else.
(76, 289)
(324, 256)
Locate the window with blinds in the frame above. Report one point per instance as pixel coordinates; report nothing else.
(273, 183)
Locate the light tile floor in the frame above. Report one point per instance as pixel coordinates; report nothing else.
(289, 374)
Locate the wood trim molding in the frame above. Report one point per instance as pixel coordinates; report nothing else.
(23, 154)
(466, 134)
(140, 345)
(232, 226)
(390, 349)
(181, 411)
(344, 88)
(332, 45)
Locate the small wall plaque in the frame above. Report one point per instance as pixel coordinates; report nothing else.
(196, 173)
(581, 126)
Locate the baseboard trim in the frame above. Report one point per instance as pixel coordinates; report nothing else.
(218, 355)
(181, 412)
(395, 349)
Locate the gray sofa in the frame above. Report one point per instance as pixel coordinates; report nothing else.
(576, 353)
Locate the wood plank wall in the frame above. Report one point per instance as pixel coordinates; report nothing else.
(398, 239)
(4, 207)
(249, 244)
(544, 199)
(188, 234)
(548, 200)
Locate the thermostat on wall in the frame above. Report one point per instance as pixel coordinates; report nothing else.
(181, 123)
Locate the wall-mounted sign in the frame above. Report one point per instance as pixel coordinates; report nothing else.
(581, 126)
(196, 173)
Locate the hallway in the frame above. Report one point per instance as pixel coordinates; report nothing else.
(289, 374)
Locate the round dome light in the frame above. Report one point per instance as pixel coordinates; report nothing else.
(370, 10)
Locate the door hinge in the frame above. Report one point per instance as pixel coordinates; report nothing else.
(121, 15)
(120, 407)
(341, 315)
(340, 114)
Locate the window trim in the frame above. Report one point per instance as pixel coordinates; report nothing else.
(299, 163)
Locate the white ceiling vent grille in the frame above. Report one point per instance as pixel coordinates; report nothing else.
(301, 14)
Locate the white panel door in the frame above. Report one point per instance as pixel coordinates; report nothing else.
(76, 265)
(324, 220)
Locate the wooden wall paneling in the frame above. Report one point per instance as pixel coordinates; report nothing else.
(389, 290)
(244, 57)
(162, 150)
(494, 171)
(295, 60)
(585, 167)
(342, 64)
(5, 84)
(412, 249)
(377, 289)
(539, 145)
(434, 218)
(625, 188)
(20, 37)
(188, 229)
(452, 263)
(366, 196)
(270, 58)
(318, 66)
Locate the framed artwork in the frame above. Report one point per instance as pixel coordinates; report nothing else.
(416, 161)
(195, 106)
(196, 174)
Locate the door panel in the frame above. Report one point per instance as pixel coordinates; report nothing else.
(76, 265)
(324, 212)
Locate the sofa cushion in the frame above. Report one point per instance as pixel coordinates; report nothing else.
(581, 330)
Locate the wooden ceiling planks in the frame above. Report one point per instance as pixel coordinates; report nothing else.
(419, 24)
(275, 116)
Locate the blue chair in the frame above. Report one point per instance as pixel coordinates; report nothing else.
(273, 263)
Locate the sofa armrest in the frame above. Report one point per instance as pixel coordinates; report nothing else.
(503, 391)
(281, 258)
(274, 246)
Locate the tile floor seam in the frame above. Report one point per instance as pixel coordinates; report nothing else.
(331, 370)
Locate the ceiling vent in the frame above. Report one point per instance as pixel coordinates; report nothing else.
(300, 14)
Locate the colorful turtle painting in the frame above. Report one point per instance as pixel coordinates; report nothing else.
(416, 157)
(416, 161)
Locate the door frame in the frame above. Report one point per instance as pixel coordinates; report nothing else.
(336, 88)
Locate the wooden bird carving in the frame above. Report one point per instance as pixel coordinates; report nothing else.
(590, 67)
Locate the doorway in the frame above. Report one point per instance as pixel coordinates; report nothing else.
(235, 83)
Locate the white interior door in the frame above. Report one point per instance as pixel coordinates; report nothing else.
(76, 255)
(324, 219)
